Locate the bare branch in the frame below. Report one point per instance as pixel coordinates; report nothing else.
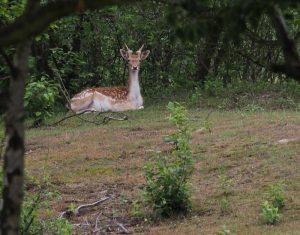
(81, 207)
(105, 119)
(5, 78)
(125, 230)
(289, 48)
(28, 25)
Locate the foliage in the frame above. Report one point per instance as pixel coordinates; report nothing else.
(136, 209)
(32, 224)
(167, 178)
(247, 96)
(9, 10)
(275, 194)
(270, 214)
(40, 99)
(213, 87)
(225, 185)
(84, 49)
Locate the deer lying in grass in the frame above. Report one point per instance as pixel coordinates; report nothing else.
(115, 99)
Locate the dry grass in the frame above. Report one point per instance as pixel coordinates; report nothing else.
(82, 160)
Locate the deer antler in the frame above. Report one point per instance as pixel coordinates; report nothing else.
(128, 48)
(140, 50)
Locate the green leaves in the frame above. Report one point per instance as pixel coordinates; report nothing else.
(270, 213)
(9, 10)
(40, 98)
(167, 177)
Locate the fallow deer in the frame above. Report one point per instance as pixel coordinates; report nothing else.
(115, 99)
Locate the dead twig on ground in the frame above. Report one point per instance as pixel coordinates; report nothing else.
(97, 228)
(105, 119)
(125, 230)
(69, 213)
(77, 211)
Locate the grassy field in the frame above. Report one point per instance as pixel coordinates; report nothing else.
(83, 162)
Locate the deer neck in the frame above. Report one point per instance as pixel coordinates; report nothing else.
(134, 85)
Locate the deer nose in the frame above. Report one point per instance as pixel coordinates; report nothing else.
(134, 67)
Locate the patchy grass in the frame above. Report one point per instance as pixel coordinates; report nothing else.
(83, 160)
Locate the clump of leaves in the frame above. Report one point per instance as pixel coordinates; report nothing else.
(225, 185)
(167, 178)
(136, 209)
(275, 194)
(270, 214)
(39, 99)
(32, 224)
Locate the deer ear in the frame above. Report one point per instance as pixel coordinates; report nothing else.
(124, 54)
(145, 54)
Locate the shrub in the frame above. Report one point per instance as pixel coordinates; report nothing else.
(275, 194)
(39, 99)
(225, 188)
(32, 224)
(167, 178)
(270, 213)
(196, 96)
(214, 87)
(136, 209)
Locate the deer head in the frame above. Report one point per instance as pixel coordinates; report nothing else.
(134, 59)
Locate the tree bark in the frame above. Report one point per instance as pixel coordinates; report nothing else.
(291, 67)
(14, 152)
(206, 54)
(40, 50)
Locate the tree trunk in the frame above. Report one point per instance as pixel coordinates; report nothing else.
(40, 51)
(14, 153)
(206, 54)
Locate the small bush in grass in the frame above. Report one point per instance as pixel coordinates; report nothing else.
(32, 224)
(136, 209)
(166, 189)
(270, 214)
(225, 188)
(275, 194)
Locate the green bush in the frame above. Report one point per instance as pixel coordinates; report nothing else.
(166, 189)
(32, 224)
(40, 99)
(270, 213)
(275, 194)
(214, 87)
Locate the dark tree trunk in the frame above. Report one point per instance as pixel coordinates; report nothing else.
(221, 53)
(206, 54)
(291, 67)
(14, 152)
(40, 51)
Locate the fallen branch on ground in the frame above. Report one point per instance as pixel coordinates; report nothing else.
(105, 119)
(125, 230)
(68, 213)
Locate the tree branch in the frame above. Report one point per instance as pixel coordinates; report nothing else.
(8, 62)
(289, 48)
(28, 25)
